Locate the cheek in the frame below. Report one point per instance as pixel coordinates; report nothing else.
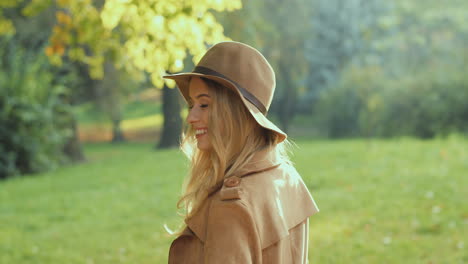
(205, 117)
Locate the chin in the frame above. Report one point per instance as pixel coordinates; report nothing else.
(203, 146)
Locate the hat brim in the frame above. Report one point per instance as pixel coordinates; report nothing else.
(183, 81)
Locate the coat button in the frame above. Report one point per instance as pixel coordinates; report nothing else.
(232, 182)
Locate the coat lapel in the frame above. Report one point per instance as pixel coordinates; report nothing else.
(197, 223)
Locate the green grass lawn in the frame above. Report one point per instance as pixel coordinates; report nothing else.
(396, 201)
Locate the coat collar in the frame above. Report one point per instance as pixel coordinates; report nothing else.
(261, 160)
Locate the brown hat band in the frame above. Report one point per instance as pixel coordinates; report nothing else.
(247, 95)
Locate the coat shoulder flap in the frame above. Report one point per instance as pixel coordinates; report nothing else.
(278, 200)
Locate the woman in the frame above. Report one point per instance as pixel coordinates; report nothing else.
(244, 200)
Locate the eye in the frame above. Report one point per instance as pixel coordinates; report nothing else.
(203, 105)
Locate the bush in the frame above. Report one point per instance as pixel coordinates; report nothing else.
(368, 103)
(349, 108)
(33, 114)
(427, 106)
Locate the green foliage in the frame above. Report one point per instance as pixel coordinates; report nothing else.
(390, 201)
(342, 32)
(33, 114)
(388, 68)
(342, 105)
(6, 26)
(427, 105)
(269, 26)
(368, 103)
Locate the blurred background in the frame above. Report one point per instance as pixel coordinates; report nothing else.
(374, 94)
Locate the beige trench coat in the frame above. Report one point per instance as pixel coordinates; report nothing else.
(261, 216)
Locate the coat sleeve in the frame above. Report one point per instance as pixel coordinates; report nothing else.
(232, 235)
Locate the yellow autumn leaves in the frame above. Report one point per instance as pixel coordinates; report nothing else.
(157, 35)
(141, 36)
(138, 36)
(60, 35)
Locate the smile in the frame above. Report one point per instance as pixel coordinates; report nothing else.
(200, 132)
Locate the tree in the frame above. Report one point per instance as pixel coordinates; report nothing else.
(343, 32)
(35, 114)
(425, 32)
(109, 96)
(402, 72)
(142, 36)
(172, 121)
(28, 33)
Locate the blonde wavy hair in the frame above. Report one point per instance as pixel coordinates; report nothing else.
(240, 139)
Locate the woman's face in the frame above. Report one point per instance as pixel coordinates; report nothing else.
(199, 106)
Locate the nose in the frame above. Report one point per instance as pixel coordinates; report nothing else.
(192, 116)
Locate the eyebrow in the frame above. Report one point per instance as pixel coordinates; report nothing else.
(201, 95)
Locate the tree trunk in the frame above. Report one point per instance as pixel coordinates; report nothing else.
(108, 93)
(172, 125)
(72, 148)
(117, 134)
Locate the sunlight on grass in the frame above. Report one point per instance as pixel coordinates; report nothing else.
(143, 122)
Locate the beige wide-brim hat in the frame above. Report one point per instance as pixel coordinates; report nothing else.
(244, 70)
